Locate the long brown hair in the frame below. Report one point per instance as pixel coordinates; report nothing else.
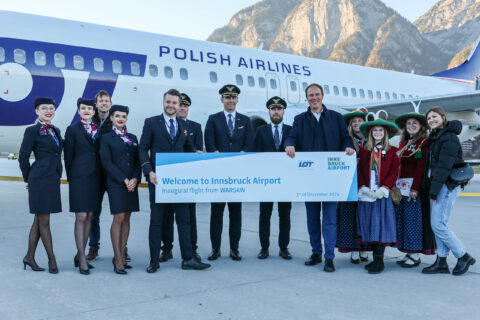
(421, 134)
(352, 134)
(440, 111)
(371, 141)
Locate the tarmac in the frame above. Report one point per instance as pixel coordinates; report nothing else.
(250, 289)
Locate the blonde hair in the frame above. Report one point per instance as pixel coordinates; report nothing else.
(371, 141)
(352, 134)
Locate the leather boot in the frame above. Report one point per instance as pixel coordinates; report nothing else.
(378, 265)
(463, 264)
(440, 266)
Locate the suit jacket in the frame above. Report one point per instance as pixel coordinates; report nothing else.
(48, 163)
(334, 127)
(119, 161)
(217, 137)
(195, 134)
(264, 139)
(156, 139)
(80, 152)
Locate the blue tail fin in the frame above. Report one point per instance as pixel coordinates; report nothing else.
(467, 70)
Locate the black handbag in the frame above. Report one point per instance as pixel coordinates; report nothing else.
(461, 174)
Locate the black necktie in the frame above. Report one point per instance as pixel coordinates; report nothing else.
(230, 125)
(172, 130)
(276, 137)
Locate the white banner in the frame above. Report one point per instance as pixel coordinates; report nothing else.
(255, 177)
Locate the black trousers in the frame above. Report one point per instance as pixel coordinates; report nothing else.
(182, 217)
(216, 224)
(266, 209)
(167, 232)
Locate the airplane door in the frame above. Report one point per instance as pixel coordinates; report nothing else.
(273, 85)
(293, 89)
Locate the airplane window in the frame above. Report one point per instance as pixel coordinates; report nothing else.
(335, 90)
(168, 72)
(135, 68)
(78, 62)
(251, 81)
(98, 64)
(395, 97)
(326, 89)
(402, 96)
(353, 92)
(410, 96)
(239, 79)
(345, 91)
(19, 56)
(362, 93)
(261, 82)
(273, 83)
(213, 77)
(387, 95)
(379, 95)
(2, 54)
(153, 69)
(305, 85)
(370, 94)
(59, 60)
(293, 86)
(183, 74)
(116, 66)
(40, 58)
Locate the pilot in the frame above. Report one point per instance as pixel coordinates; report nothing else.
(166, 133)
(196, 135)
(101, 119)
(227, 131)
(271, 138)
(315, 130)
(42, 178)
(83, 168)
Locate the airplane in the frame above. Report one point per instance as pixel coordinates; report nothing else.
(63, 59)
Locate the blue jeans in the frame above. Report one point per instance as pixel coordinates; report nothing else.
(329, 228)
(439, 215)
(94, 236)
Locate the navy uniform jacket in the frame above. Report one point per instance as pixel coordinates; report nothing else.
(264, 139)
(218, 139)
(335, 131)
(48, 163)
(80, 153)
(156, 139)
(195, 134)
(119, 161)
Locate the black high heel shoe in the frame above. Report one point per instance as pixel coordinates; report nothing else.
(84, 272)
(27, 262)
(76, 263)
(52, 270)
(117, 271)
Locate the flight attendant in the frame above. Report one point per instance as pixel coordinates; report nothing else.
(377, 174)
(347, 211)
(271, 138)
(43, 179)
(414, 233)
(119, 156)
(82, 165)
(227, 131)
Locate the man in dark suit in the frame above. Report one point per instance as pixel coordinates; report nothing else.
(319, 129)
(103, 103)
(271, 138)
(164, 134)
(227, 131)
(196, 135)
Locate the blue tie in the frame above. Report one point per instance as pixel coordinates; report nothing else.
(276, 137)
(172, 130)
(230, 125)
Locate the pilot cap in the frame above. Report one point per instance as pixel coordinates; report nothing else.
(184, 99)
(117, 107)
(276, 102)
(229, 90)
(85, 102)
(42, 100)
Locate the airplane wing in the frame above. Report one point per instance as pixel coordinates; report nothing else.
(461, 106)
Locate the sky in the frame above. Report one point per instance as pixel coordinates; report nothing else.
(192, 19)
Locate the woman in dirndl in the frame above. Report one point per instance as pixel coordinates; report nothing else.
(377, 174)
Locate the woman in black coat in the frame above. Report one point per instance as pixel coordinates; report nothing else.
(119, 156)
(43, 179)
(83, 173)
(444, 154)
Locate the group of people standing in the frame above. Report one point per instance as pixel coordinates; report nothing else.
(101, 155)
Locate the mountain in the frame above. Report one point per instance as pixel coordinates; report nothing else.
(461, 57)
(451, 24)
(364, 32)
